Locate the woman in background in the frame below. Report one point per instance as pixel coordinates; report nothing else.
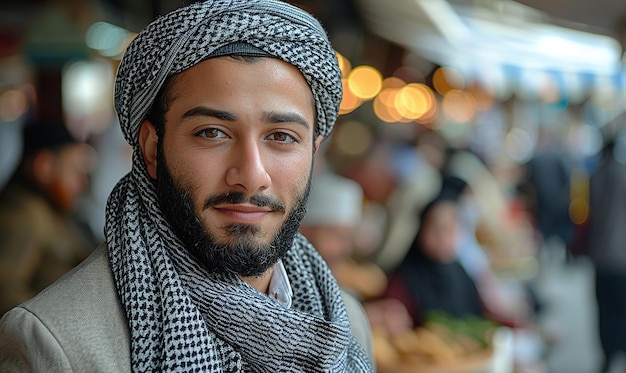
(431, 278)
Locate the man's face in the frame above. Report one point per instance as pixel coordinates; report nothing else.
(334, 242)
(234, 165)
(67, 176)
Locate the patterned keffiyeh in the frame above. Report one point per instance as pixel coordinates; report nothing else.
(180, 317)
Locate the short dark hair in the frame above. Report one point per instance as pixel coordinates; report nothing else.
(160, 106)
(50, 135)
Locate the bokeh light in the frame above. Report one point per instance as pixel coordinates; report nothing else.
(579, 192)
(109, 40)
(459, 106)
(384, 106)
(393, 82)
(579, 210)
(365, 82)
(446, 79)
(349, 101)
(413, 100)
(87, 94)
(344, 64)
(352, 138)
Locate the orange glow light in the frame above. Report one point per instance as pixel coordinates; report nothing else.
(349, 102)
(446, 79)
(386, 113)
(413, 101)
(365, 82)
(459, 106)
(344, 64)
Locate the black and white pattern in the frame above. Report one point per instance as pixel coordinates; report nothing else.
(186, 36)
(180, 317)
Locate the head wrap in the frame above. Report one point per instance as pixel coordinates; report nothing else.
(180, 317)
(334, 200)
(189, 35)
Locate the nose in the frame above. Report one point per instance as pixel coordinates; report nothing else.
(247, 168)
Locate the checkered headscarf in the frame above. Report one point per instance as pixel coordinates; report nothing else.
(180, 317)
(188, 35)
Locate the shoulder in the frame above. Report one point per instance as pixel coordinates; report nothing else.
(78, 320)
(20, 207)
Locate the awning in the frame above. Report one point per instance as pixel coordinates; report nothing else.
(518, 47)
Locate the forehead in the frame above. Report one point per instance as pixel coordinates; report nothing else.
(81, 154)
(240, 85)
(227, 71)
(260, 87)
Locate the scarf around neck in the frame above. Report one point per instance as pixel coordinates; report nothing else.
(180, 317)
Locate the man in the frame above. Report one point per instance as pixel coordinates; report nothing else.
(39, 239)
(604, 245)
(225, 104)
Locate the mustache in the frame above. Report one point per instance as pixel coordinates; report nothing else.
(236, 198)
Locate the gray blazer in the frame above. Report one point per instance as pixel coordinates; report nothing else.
(78, 325)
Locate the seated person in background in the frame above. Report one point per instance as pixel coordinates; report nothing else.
(433, 284)
(505, 301)
(39, 241)
(431, 278)
(334, 211)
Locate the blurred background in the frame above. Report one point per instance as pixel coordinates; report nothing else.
(517, 98)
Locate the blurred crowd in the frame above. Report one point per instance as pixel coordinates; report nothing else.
(434, 231)
(438, 229)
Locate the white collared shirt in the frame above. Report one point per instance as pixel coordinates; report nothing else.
(280, 288)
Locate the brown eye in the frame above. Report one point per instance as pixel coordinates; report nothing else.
(211, 133)
(282, 137)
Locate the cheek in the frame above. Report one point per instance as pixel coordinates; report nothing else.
(194, 174)
(289, 175)
(448, 244)
(428, 242)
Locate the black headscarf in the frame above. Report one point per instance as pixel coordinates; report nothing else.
(437, 286)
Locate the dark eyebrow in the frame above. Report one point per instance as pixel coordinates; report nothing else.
(203, 111)
(286, 117)
(268, 117)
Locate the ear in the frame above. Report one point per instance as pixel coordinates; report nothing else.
(148, 141)
(318, 141)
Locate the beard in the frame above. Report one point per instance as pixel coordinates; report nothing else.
(241, 255)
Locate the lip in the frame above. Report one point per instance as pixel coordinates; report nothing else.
(248, 214)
